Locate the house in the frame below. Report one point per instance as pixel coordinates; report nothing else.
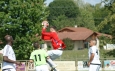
(80, 36)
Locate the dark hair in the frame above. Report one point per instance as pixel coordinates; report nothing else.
(54, 27)
(8, 38)
(36, 45)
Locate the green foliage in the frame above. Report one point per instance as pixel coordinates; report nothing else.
(1, 58)
(111, 53)
(63, 7)
(103, 41)
(62, 21)
(63, 13)
(69, 44)
(99, 15)
(21, 19)
(109, 20)
(85, 18)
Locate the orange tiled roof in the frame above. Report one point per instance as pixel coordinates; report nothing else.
(79, 33)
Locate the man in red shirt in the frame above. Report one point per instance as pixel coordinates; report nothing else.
(58, 45)
(56, 42)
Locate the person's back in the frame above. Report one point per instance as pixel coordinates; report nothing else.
(39, 57)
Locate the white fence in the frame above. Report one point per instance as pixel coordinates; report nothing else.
(109, 46)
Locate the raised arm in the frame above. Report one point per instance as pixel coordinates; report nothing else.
(45, 33)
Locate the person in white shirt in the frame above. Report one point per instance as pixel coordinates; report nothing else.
(9, 59)
(94, 62)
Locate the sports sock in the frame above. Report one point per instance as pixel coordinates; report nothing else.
(51, 63)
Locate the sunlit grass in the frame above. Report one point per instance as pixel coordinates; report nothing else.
(82, 54)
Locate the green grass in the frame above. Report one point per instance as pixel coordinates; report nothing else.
(1, 58)
(82, 55)
(78, 55)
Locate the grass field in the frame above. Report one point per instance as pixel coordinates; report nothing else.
(74, 55)
(78, 54)
(82, 54)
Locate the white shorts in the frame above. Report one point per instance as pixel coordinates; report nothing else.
(94, 67)
(42, 68)
(55, 54)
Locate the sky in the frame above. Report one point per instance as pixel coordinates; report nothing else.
(93, 2)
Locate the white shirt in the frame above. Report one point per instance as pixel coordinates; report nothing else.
(9, 52)
(94, 50)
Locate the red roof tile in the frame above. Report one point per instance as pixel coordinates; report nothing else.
(102, 34)
(80, 29)
(79, 33)
(75, 35)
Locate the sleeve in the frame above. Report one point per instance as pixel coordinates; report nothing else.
(6, 51)
(43, 30)
(45, 33)
(93, 50)
(31, 56)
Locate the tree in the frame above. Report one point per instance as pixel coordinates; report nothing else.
(109, 19)
(100, 13)
(69, 44)
(85, 18)
(62, 10)
(21, 19)
(62, 21)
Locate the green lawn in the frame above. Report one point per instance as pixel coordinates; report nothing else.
(77, 55)
(1, 58)
(82, 55)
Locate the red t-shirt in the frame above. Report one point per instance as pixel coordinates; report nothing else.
(45, 37)
(56, 42)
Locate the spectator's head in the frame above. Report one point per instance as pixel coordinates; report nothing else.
(36, 45)
(8, 38)
(92, 42)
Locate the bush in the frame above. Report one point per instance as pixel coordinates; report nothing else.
(69, 44)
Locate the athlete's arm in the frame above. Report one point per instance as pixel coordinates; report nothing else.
(31, 61)
(6, 59)
(91, 57)
(46, 33)
(31, 58)
(5, 56)
(43, 30)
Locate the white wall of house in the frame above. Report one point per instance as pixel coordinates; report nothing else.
(78, 45)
